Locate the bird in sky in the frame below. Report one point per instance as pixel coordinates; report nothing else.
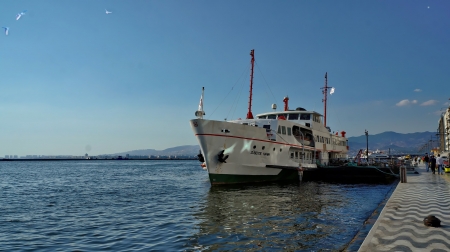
(19, 15)
(107, 12)
(6, 29)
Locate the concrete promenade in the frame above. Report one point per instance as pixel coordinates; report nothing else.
(400, 226)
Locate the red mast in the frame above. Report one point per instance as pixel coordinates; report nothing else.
(249, 113)
(325, 91)
(286, 106)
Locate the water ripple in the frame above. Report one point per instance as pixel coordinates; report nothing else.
(170, 206)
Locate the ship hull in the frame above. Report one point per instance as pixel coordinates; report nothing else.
(250, 155)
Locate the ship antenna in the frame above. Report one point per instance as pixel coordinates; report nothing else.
(249, 113)
(325, 91)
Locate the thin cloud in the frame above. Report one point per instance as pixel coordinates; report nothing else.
(414, 101)
(446, 103)
(429, 103)
(417, 90)
(402, 103)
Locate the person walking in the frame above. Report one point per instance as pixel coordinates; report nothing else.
(440, 164)
(426, 159)
(432, 164)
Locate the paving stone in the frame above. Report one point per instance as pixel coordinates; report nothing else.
(400, 225)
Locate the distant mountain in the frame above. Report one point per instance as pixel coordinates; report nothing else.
(396, 142)
(184, 150)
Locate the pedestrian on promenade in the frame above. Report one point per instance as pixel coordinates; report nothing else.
(440, 164)
(426, 159)
(433, 164)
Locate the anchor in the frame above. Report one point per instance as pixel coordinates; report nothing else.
(221, 157)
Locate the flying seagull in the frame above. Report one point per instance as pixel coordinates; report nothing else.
(6, 29)
(19, 15)
(107, 12)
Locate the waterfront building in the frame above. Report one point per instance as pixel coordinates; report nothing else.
(444, 131)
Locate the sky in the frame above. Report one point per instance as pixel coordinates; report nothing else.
(76, 80)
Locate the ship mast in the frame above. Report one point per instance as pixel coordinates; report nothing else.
(249, 113)
(325, 91)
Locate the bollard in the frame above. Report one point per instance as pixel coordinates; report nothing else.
(300, 173)
(402, 174)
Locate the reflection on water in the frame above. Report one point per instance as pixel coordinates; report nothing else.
(311, 216)
(170, 206)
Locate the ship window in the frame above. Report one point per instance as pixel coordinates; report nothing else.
(279, 129)
(305, 116)
(289, 131)
(296, 131)
(267, 127)
(293, 116)
(271, 116)
(282, 116)
(307, 125)
(292, 154)
(254, 146)
(263, 147)
(274, 149)
(283, 130)
(296, 154)
(244, 123)
(261, 117)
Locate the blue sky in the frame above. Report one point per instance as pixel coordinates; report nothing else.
(77, 80)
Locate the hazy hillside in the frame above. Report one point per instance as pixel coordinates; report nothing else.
(397, 142)
(184, 150)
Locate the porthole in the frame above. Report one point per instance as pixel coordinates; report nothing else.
(273, 148)
(263, 147)
(254, 146)
(281, 149)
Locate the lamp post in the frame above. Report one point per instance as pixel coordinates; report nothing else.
(431, 145)
(367, 145)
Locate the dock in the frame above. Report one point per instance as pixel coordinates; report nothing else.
(400, 224)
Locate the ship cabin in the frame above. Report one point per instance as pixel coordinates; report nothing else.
(301, 127)
(309, 119)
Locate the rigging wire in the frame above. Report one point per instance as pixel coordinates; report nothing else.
(228, 92)
(339, 121)
(267, 84)
(235, 103)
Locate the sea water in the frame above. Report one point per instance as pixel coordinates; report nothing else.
(131, 205)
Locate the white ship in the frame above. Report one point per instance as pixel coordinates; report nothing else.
(273, 146)
(378, 155)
